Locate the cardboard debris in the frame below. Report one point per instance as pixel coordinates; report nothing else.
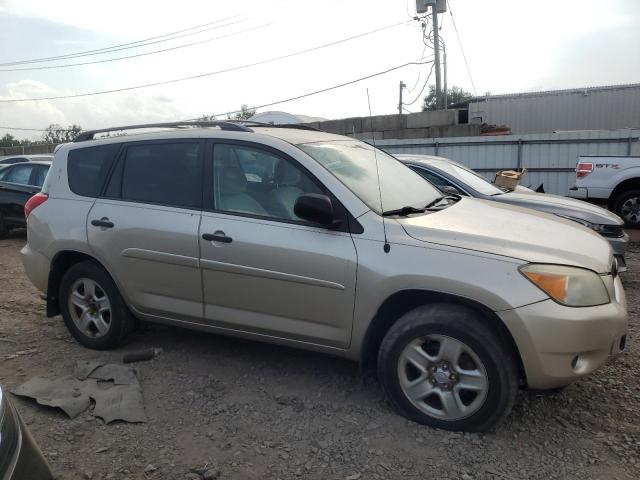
(120, 374)
(115, 389)
(509, 178)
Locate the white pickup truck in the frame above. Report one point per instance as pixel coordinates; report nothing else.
(611, 180)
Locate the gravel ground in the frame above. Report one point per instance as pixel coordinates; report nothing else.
(239, 409)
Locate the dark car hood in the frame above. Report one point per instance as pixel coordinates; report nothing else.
(558, 205)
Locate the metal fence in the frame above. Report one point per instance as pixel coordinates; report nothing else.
(550, 158)
(37, 148)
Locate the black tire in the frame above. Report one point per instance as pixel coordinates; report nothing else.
(120, 323)
(463, 325)
(618, 204)
(3, 227)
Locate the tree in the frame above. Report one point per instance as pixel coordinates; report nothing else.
(207, 118)
(454, 95)
(10, 141)
(245, 113)
(57, 134)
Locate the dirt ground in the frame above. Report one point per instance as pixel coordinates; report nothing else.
(241, 409)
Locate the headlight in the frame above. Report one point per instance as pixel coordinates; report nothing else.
(571, 286)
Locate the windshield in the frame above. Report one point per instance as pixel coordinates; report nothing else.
(354, 164)
(471, 178)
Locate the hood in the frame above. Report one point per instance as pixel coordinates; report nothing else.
(558, 205)
(490, 227)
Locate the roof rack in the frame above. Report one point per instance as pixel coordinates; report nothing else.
(298, 126)
(231, 126)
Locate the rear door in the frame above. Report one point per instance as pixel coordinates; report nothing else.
(145, 227)
(264, 270)
(16, 187)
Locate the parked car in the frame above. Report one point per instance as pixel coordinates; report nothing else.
(452, 177)
(20, 457)
(10, 160)
(18, 183)
(320, 241)
(611, 180)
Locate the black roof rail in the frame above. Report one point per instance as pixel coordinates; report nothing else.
(298, 126)
(231, 126)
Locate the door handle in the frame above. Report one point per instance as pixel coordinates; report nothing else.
(217, 237)
(103, 222)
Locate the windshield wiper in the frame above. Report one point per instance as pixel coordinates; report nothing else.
(404, 211)
(434, 202)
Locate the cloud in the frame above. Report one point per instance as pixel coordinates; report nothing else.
(89, 112)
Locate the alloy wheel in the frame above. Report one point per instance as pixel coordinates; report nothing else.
(443, 377)
(90, 308)
(630, 210)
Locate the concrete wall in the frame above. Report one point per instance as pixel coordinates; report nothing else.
(549, 158)
(441, 123)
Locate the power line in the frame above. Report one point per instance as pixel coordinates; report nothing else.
(202, 75)
(423, 87)
(278, 102)
(26, 129)
(126, 46)
(453, 20)
(47, 67)
(304, 95)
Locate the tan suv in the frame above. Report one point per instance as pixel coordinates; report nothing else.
(322, 242)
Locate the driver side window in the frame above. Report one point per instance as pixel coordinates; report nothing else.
(257, 182)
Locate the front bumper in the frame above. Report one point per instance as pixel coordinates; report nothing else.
(619, 246)
(560, 344)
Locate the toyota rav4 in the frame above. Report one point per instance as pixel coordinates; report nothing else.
(319, 241)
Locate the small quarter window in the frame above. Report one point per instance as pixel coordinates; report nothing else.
(87, 168)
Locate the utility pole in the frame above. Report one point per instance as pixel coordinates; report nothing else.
(436, 43)
(402, 86)
(446, 100)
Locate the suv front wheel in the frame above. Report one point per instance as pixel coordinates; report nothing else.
(442, 366)
(92, 307)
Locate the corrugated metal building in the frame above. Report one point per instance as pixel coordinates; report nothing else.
(550, 158)
(595, 108)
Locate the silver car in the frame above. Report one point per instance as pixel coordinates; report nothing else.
(319, 241)
(453, 177)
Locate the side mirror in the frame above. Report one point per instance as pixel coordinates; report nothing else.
(315, 208)
(450, 190)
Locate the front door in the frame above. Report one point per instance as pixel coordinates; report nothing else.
(145, 227)
(264, 270)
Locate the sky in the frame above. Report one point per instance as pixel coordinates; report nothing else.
(510, 45)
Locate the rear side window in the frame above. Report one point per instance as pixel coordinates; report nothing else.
(19, 174)
(88, 167)
(161, 173)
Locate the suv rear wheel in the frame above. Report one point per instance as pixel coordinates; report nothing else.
(627, 206)
(92, 307)
(440, 365)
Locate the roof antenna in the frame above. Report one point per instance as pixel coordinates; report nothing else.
(386, 247)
